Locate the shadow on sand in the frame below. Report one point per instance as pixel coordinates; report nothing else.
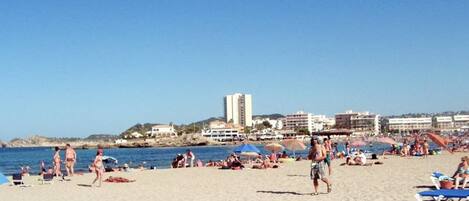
(84, 185)
(297, 175)
(284, 192)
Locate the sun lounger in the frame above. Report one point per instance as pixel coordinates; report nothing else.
(439, 195)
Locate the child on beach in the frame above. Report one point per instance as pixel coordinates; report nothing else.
(99, 167)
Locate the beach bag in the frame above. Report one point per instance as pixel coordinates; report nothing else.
(374, 156)
(445, 184)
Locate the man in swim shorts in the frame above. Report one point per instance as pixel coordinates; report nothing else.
(70, 159)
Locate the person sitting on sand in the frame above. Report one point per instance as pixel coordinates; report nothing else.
(359, 159)
(264, 165)
(462, 172)
(189, 157)
(199, 163)
(405, 149)
(392, 151)
(273, 158)
(284, 155)
(42, 168)
(25, 170)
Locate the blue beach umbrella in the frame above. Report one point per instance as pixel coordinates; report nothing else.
(3, 179)
(246, 148)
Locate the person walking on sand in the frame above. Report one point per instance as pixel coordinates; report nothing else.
(99, 167)
(425, 148)
(328, 160)
(70, 158)
(57, 162)
(317, 153)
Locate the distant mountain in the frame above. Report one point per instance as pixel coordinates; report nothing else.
(447, 113)
(102, 137)
(270, 116)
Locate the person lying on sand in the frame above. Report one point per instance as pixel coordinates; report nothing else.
(265, 165)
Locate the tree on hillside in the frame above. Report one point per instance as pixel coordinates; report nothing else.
(267, 124)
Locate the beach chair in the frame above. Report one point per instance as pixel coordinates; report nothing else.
(439, 195)
(17, 180)
(47, 179)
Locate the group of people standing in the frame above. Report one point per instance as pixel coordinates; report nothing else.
(70, 160)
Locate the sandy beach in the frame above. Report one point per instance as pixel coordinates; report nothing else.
(397, 179)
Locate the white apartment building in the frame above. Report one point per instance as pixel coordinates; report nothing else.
(162, 130)
(238, 109)
(303, 120)
(298, 120)
(277, 124)
(410, 124)
(461, 120)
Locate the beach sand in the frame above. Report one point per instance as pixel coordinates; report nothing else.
(397, 179)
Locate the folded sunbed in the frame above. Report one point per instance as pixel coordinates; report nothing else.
(439, 195)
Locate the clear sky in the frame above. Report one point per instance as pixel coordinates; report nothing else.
(74, 68)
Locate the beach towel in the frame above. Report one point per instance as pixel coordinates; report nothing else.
(118, 180)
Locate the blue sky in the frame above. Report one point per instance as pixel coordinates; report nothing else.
(74, 68)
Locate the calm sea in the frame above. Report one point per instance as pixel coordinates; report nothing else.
(11, 159)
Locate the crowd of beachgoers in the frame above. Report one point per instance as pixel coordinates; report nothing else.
(322, 151)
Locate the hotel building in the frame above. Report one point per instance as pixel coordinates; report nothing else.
(238, 109)
(361, 123)
(461, 121)
(443, 122)
(409, 124)
(303, 120)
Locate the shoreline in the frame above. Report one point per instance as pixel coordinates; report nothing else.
(399, 178)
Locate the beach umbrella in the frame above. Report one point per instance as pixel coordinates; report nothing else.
(386, 140)
(246, 148)
(274, 147)
(358, 143)
(438, 140)
(3, 179)
(294, 145)
(249, 154)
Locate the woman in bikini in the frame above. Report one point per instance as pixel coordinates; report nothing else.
(99, 167)
(57, 162)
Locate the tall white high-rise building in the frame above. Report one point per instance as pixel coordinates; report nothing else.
(238, 109)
